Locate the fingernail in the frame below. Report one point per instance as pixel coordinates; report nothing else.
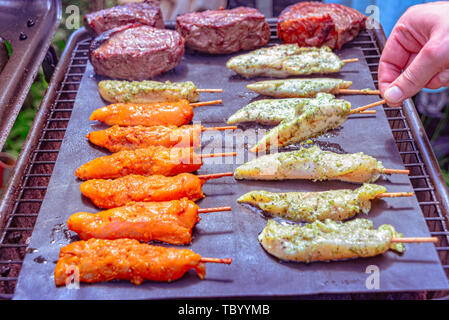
(444, 76)
(394, 94)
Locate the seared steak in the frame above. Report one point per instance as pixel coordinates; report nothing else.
(224, 31)
(147, 13)
(316, 24)
(136, 52)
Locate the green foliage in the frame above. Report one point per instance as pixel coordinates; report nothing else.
(22, 126)
(8, 47)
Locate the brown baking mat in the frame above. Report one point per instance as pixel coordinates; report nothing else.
(253, 272)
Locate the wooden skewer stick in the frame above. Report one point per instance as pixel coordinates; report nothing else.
(368, 106)
(215, 175)
(219, 128)
(395, 195)
(216, 260)
(217, 209)
(395, 171)
(214, 155)
(369, 112)
(350, 60)
(356, 91)
(206, 103)
(414, 240)
(209, 90)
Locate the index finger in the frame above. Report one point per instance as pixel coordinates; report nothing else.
(399, 49)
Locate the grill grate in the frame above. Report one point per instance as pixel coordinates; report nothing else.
(21, 220)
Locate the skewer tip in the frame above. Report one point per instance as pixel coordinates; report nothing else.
(395, 195)
(369, 112)
(210, 90)
(359, 91)
(220, 128)
(368, 106)
(215, 175)
(206, 103)
(216, 260)
(214, 155)
(415, 240)
(217, 209)
(395, 171)
(350, 60)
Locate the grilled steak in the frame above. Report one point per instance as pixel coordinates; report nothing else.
(146, 13)
(136, 52)
(224, 31)
(319, 24)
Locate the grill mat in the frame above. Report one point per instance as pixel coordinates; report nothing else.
(253, 272)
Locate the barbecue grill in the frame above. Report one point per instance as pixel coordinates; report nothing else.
(27, 187)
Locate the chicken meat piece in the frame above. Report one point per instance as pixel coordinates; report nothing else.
(148, 161)
(112, 193)
(152, 114)
(168, 221)
(312, 164)
(299, 88)
(116, 91)
(118, 138)
(285, 60)
(328, 240)
(99, 260)
(337, 205)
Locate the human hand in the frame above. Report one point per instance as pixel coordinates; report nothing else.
(418, 46)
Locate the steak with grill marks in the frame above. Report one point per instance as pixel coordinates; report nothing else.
(316, 24)
(136, 52)
(224, 31)
(146, 13)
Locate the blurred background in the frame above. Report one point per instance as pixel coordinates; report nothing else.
(432, 105)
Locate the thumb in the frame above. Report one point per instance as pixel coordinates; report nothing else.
(430, 61)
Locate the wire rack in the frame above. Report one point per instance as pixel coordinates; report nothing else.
(21, 219)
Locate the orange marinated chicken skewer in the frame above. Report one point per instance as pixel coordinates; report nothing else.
(119, 138)
(118, 192)
(147, 161)
(98, 260)
(169, 221)
(148, 114)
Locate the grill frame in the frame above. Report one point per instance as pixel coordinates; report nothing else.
(25, 192)
(28, 53)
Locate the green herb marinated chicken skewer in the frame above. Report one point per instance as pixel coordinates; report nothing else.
(314, 164)
(287, 60)
(274, 111)
(305, 88)
(332, 241)
(314, 120)
(116, 91)
(337, 205)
